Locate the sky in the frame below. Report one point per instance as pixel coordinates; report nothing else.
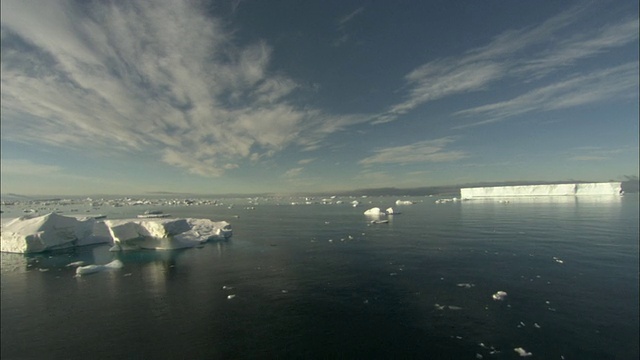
(248, 96)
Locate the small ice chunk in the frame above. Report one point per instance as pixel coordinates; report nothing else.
(536, 325)
(466, 285)
(374, 212)
(478, 356)
(90, 269)
(453, 307)
(500, 295)
(439, 307)
(229, 297)
(522, 352)
(75, 263)
(225, 287)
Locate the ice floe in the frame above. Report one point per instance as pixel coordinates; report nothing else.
(522, 352)
(500, 295)
(375, 211)
(90, 269)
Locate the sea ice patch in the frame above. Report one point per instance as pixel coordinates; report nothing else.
(500, 295)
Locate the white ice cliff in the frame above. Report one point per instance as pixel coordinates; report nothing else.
(608, 188)
(53, 232)
(165, 234)
(50, 232)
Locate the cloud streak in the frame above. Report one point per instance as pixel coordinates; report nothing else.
(150, 76)
(617, 82)
(523, 55)
(418, 152)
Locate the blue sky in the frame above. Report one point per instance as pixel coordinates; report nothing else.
(213, 97)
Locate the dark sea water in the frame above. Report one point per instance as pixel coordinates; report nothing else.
(320, 281)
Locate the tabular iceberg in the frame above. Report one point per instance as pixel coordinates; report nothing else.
(53, 232)
(607, 188)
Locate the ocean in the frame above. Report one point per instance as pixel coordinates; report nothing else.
(320, 281)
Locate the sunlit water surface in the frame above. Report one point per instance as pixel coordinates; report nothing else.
(321, 281)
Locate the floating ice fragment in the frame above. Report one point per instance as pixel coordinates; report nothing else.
(466, 285)
(536, 325)
(374, 212)
(75, 263)
(478, 356)
(439, 307)
(225, 287)
(90, 269)
(452, 307)
(522, 352)
(558, 260)
(500, 295)
(229, 297)
(43, 270)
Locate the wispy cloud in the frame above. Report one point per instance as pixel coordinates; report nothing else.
(345, 19)
(305, 161)
(29, 168)
(419, 152)
(153, 76)
(342, 27)
(593, 153)
(523, 55)
(293, 173)
(618, 82)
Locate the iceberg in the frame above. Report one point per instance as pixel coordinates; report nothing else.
(90, 269)
(33, 234)
(404, 202)
(578, 189)
(374, 212)
(165, 234)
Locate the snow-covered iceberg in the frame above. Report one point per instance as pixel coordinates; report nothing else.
(53, 232)
(165, 234)
(30, 234)
(607, 188)
(374, 212)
